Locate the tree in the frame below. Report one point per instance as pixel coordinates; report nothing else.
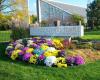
(77, 18)
(5, 22)
(5, 6)
(33, 19)
(20, 16)
(44, 23)
(93, 14)
(18, 9)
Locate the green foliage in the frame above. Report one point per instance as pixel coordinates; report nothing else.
(96, 45)
(5, 22)
(33, 19)
(44, 23)
(19, 33)
(81, 44)
(85, 45)
(93, 14)
(3, 46)
(77, 18)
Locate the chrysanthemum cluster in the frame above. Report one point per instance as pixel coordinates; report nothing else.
(40, 51)
(75, 60)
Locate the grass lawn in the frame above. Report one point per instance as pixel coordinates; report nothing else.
(14, 70)
(92, 35)
(5, 36)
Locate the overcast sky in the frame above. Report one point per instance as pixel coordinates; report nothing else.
(81, 3)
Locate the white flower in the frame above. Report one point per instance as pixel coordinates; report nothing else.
(18, 46)
(29, 42)
(49, 61)
(9, 47)
(51, 49)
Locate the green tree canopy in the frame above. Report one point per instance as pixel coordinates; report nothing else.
(93, 14)
(6, 6)
(76, 18)
(33, 19)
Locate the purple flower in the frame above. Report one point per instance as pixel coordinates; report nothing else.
(34, 39)
(14, 43)
(49, 43)
(61, 53)
(42, 40)
(21, 53)
(79, 60)
(26, 56)
(70, 60)
(26, 48)
(10, 49)
(9, 53)
(36, 46)
(39, 44)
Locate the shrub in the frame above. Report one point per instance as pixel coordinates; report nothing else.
(5, 22)
(96, 46)
(76, 18)
(73, 46)
(88, 54)
(85, 45)
(44, 23)
(19, 33)
(3, 47)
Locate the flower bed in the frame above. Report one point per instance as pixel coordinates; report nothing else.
(41, 51)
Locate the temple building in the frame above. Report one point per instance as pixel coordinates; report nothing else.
(50, 12)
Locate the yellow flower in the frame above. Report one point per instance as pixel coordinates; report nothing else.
(33, 59)
(30, 50)
(18, 51)
(47, 54)
(44, 47)
(55, 53)
(61, 62)
(14, 55)
(61, 65)
(51, 53)
(57, 43)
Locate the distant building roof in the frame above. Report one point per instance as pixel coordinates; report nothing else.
(69, 8)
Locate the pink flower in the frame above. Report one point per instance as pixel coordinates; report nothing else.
(41, 57)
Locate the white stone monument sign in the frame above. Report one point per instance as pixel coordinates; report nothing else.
(61, 31)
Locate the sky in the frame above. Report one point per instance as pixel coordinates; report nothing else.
(81, 3)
